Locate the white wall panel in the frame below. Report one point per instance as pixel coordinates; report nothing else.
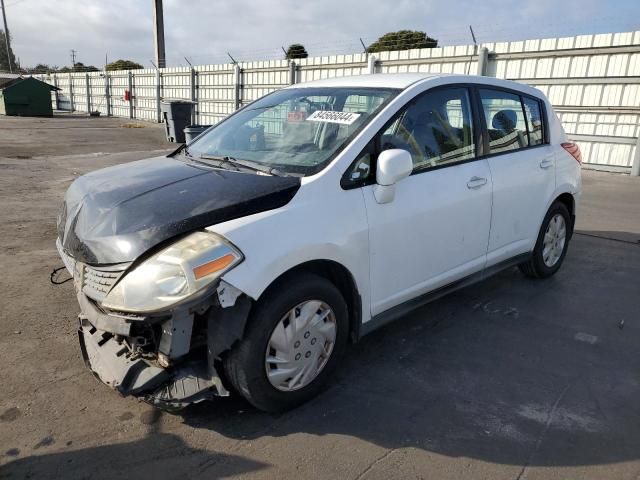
(592, 80)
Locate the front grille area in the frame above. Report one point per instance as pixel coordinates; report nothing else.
(97, 281)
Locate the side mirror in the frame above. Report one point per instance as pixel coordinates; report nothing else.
(393, 166)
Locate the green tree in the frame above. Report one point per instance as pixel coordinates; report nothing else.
(402, 40)
(296, 50)
(4, 64)
(123, 65)
(41, 68)
(81, 67)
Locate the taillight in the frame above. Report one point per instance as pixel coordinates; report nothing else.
(574, 150)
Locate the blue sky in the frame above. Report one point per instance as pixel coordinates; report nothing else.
(203, 30)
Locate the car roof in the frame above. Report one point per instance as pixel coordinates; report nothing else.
(386, 80)
(405, 80)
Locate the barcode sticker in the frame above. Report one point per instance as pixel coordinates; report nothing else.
(344, 118)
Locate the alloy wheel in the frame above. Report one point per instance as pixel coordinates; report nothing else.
(554, 240)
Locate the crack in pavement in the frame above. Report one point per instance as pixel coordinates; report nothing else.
(372, 465)
(525, 467)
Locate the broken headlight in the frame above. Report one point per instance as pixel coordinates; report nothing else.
(173, 274)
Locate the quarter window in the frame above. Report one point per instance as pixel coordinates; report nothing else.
(436, 129)
(505, 120)
(534, 121)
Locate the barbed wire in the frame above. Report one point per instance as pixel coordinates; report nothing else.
(499, 32)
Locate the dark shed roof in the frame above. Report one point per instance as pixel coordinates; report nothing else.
(8, 82)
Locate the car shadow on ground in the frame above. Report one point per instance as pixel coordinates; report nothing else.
(158, 455)
(511, 371)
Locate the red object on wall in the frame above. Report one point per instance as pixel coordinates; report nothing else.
(127, 96)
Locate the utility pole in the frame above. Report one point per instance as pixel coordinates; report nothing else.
(6, 36)
(73, 58)
(158, 33)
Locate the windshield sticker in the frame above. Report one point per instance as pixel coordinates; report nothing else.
(344, 118)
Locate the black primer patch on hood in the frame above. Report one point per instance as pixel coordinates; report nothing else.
(116, 214)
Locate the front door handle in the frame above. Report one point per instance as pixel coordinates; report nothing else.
(476, 182)
(546, 163)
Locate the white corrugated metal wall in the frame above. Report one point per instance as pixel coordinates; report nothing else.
(592, 80)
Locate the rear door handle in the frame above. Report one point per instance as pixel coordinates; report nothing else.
(476, 182)
(546, 163)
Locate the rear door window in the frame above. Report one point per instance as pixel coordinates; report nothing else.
(506, 123)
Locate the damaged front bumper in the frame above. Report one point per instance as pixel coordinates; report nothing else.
(171, 359)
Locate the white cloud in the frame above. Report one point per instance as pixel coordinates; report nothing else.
(45, 31)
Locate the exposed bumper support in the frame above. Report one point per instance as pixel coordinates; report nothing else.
(192, 376)
(108, 360)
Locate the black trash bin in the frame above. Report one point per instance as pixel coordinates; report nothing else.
(192, 131)
(176, 114)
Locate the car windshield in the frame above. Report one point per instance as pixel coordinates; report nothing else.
(295, 130)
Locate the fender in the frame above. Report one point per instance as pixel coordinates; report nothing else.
(276, 241)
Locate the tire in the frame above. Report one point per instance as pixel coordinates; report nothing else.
(536, 266)
(246, 365)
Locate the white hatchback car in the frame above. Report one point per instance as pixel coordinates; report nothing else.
(247, 260)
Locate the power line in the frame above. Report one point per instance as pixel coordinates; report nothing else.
(73, 57)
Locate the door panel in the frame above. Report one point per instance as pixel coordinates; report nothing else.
(522, 184)
(436, 229)
(523, 172)
(434, 232)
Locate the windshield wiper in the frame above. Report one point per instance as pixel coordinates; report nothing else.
(255, 166)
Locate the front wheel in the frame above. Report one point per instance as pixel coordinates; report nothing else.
(295, 337)
(551, 245)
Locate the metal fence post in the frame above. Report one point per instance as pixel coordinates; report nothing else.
(71, 103)
(292, 72)
(158, 93)
(55, 84)
(237, 81)
(372, 63)
(635, 166)
(194, 97)
(88, 84)
(130, 87)
(107, 93)
(483, 60)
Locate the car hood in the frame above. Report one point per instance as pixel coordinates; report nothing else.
(116, 214)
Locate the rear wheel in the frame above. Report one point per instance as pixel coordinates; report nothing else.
(294, 339)
(551, 245)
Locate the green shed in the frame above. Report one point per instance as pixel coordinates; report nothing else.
(28, 97)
